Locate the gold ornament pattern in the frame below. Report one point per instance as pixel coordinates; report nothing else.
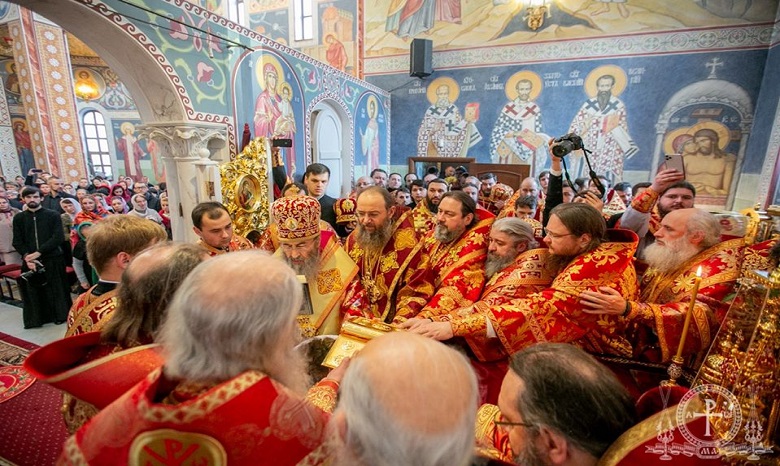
(248, 213)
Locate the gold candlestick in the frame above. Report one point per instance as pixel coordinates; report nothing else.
(675, 369)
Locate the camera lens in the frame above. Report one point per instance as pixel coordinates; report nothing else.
(562, 148)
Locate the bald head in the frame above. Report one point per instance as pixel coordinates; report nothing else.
(530, 187)
(407, 399)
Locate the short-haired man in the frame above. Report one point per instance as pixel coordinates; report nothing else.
(486, 183)
(236, 348)
(473, 191)
(419, 192)
(669, 191)
(528, 187)
(152, 201)
(212, 223)
(380, 177)
(424, 213)
(56, 194)
(408, 180)
(457, 248)
(558, 406)
(317, 256)
(316, 179)
(402, 197)
(373, 292)
(38, 237)
(686, 241)
(378, 425)
(394, 181)
(515, 268)
(576, 244)
(113, 242)
(362, 183)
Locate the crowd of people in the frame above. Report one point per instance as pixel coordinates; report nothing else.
(510, 307)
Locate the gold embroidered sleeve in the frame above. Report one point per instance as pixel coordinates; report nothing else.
(324, 395)
(474, 324)
(646, 201)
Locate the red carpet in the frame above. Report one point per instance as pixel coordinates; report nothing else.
(13, 381)
(32, 431)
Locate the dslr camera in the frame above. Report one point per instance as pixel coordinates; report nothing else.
(40, 271)
(565, 144)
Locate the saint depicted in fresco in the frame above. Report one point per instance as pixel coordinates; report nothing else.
(517, 135)
(710, 169)
(131, 151)
(409, 18)
(12, 80)
(23, 145)
(336, 55)
(370, 138)
(602, 123)
(268, 109)
(443, 131)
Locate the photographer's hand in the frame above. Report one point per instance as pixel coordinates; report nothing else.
(666, 178)
(32, 256)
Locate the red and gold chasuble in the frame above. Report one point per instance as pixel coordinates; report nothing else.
(201, 424)
(456, 269)
(336, 270)
(556, 314)
(372, 293)
(525, 276)
(90, 313)
(646, 202)
(269, 240)
(665, 298)
(492, 442)
(91, 374)
(237, 243)
(423, 219)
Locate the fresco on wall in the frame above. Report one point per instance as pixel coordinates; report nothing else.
(111, 92)
(13, 93)
(271, 19)
(129, 149)
(371, 131)
(518, 136)
(453, 24)
(625, 113)
(23, 143)
(88, 83)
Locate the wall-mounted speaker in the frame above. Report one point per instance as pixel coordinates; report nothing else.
(420, 58)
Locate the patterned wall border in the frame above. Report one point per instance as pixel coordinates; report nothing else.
(331, 90)
(755, 36)
(9, 161)
(770, 161)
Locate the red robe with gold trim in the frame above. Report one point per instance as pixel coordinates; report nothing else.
(556, 314)
(373, 292)
(237, 243)
(525, 276)
(456, 269)
(423, 219)
(90, 313)
(269, 240)
(660, 312)
(247, 420)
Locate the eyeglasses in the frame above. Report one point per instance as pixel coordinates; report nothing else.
(555, 235)
(507, 425)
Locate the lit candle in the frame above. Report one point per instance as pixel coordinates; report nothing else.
(694, 292)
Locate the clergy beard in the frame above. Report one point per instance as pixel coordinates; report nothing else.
(443, 103)
(603, 99)
(496, 263)
(666, 258)
(530, 456)
(376, 241)
(434, 208)
(308, 267)
(32, 205)
(289, 368)
(445, 235)
(556, 263)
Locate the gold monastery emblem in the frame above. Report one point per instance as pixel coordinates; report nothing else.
(167, 446)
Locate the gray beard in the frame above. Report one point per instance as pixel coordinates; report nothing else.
(309, 268)
(496, 263)
(376, 241)
(290, 371)
(668, 258)
(444, 235)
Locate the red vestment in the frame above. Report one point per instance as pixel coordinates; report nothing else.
(90, 313)
(247, 420)
(237, 243)
(456, 269)
(660, 312)
(556, 314)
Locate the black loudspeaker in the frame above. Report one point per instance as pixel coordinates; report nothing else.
(420, 57)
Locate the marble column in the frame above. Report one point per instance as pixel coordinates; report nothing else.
(191, 152)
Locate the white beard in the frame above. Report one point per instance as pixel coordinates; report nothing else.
(668, 257)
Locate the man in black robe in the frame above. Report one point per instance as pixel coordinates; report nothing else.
(38, 237)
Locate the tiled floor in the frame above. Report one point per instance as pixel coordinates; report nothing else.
(11, 323)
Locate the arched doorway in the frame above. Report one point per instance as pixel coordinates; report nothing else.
(330, 134)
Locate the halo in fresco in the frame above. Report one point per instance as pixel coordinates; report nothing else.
(371, 99)
(724, 135)
(511, 84)
(671, 137)
(267, 59)
(443, 81)
(620, 80)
